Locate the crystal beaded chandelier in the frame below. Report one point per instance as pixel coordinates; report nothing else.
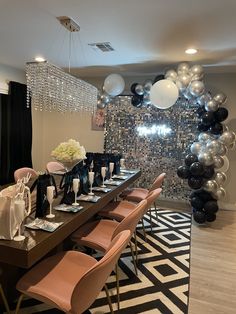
(52, 89)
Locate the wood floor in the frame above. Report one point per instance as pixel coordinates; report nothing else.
(213, 266)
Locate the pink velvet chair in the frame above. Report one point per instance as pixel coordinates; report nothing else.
(22, 172)
(4, 299)
(138, 194)
(70, 281)
(118, 210)
(53, 166)
(99, 234)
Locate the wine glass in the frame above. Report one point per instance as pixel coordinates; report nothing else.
(122, 163)
(76, 184)
(103, 173)
(50, 195)
(20, 212)
(111, 168)
(91, 180)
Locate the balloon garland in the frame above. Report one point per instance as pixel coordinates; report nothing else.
(114, 85)
(206, 164)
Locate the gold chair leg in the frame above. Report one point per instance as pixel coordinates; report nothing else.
(144, 231)
(4, 300)
(132, 253)
(136, 246)
(19, 303)
(117, 286)
(108, 299)
(150, 214)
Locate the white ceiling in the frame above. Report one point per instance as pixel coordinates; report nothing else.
(149, 36)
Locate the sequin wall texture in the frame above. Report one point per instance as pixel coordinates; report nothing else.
(152, 153)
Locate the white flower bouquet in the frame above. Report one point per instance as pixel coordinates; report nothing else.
(69, 152)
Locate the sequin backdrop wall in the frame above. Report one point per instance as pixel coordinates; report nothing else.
(152, 153)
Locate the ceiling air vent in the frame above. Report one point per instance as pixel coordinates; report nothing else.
(104, 47)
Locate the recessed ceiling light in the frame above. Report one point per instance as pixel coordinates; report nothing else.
(39, 59)
(191, 51)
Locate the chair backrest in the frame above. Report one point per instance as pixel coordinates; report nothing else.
(54, 166)
(130, 221)
(152, 196)
(22, 172)
(158, 182)
(89, 286)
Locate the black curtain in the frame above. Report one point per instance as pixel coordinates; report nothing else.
(16, 132)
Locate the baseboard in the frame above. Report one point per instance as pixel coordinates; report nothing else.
(227, 206)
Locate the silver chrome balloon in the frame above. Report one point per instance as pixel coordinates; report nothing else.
(100, 104)
(196, 148)
(227, 138)
(183, 68)
(223, 150)
(147, 86)
(185, 79)
(206, 158)
(218, 162)
(204, 137)
(196, 88)
(220, 98)
(196, 69)
(171, 74)
(211, 105)
(219, 193)
(210, 186)
(203, 99)
(139, 89)
(220, 178)
(213, 146)
(180, 86)
(197, 77)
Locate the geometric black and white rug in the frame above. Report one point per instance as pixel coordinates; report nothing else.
(162, 284)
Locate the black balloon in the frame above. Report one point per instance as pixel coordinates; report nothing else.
(202, 127)
(158, 78)
(197, 203)
(199, 216)
(221, 114)
(132, 88)
(190, 159)
(200, 111)
(205, 196)
(196, 169)
(216, 128)
(208, 172)
(211, 218)
(211, 207)
(208, 118)
(183, 172)
(136, 101)
(195, 182)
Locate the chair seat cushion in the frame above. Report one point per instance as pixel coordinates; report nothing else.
(117, 210)
(53, 280)
(136, 195)
(96, 234)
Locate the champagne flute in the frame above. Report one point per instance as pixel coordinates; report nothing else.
(122, 163)
(50, 195)
(91, 180)
(111, 168)
(76, 184)
(20, 212)
(103, 173)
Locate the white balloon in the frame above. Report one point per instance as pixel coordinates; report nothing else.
(114, 84)
(163, 94)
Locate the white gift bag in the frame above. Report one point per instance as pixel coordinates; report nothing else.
(10, 219)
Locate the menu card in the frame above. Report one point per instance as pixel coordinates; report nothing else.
(88, 198)
(43, 225)
(68, 208)
(101, 189)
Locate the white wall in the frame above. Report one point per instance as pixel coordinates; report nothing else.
(7, 74)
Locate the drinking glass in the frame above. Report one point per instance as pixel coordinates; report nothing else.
(20, 211)
(111, 168)
(50, 195)
(76, 184)
(122, 163)
(91, 180)
(103, 173)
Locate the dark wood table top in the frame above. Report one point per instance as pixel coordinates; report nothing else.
(38, 243)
